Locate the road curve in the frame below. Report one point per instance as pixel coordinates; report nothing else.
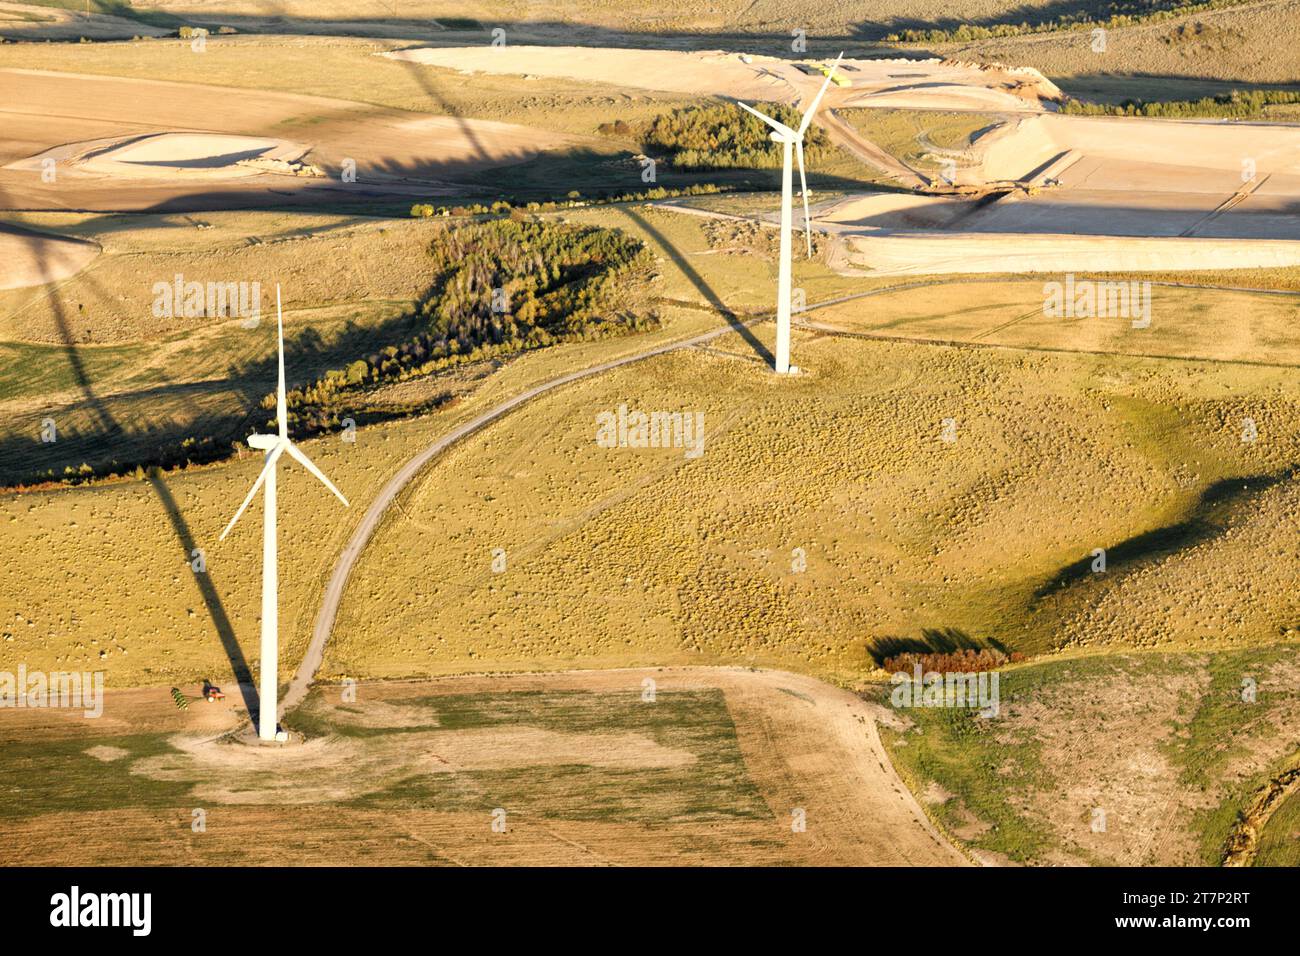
(311, 661)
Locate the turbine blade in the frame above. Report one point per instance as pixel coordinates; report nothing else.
(261, 477)
(778, 126)
(296, 453)
(281, 404)
(812, 108)
(803, 182)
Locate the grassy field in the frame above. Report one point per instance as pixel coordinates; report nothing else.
(1165, 433)
(1114, 760)
(923, 139)
(652, 767)
(903, 534)
(643, 778)
(1184, 58)
(1280, 842)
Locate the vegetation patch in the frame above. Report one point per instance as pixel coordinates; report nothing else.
(1236, 104)
(499, 287)
(721, 136)
(1112, 16)
(1127, 760)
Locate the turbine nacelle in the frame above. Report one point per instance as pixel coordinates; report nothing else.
(788, 137)
(279, 444)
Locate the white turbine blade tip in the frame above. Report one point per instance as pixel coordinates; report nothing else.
(812, 108)
(775, 124)
(298, 456)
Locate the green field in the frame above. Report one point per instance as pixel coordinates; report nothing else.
(376, 767)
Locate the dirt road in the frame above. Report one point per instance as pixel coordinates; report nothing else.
(302, 678)
(842, 134)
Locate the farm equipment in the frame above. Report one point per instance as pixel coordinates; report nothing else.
(211, 693)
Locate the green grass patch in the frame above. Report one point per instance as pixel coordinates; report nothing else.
(58, 776)
(716, 786)
(1279, 844)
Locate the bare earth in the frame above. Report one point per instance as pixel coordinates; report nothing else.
(49, 114)
(806, 745)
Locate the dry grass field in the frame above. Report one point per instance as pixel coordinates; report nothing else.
(946, 471)
(1196, 55)
(903, 534)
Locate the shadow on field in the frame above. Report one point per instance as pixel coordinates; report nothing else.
(211, 600)
(110, 426)
(473, 31)
(933, 640)
(703, 287)
(1199, 526)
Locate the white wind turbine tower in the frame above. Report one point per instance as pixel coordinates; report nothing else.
(274, 446)
(792, 141)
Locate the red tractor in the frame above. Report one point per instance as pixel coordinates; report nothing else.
(212, 693)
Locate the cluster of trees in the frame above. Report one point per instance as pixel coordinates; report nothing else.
(723, 136)
(1237, 104)
(1111, 16)
(500, 286)
(572, 200)
(954, 662)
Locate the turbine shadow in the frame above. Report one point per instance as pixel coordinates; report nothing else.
(703, 287)
(109, 426)
(211, 600)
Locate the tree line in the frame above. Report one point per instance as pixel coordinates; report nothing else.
(498, 287)
(1237, 104)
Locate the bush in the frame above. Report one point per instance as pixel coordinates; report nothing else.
(956, 662)
(724, 136)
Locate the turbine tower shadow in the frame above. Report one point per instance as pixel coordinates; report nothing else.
(211, 600)
(702, 285)
(108, 425)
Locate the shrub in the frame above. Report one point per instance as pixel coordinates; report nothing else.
(956, 662)
(723, 136)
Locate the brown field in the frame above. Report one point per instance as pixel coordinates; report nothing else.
(392, 149)
(783, 742)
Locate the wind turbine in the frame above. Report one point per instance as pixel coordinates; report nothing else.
(792, 142)
(274, 446)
